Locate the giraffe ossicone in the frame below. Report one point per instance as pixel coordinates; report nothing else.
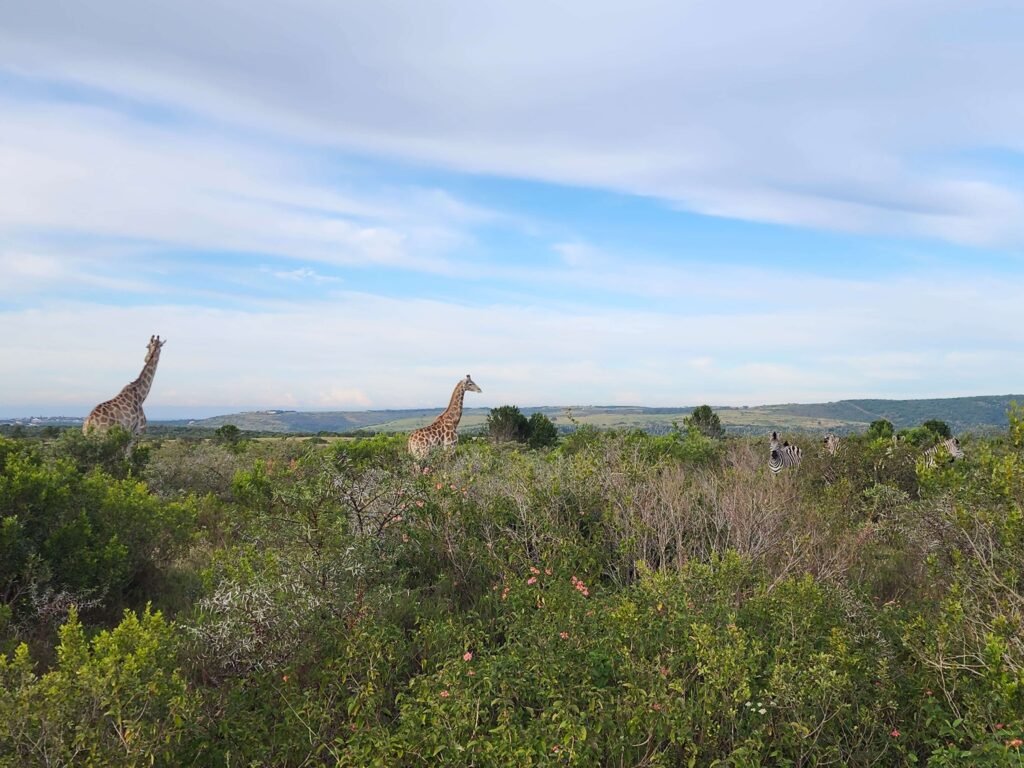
(125, 410)
(442, 433)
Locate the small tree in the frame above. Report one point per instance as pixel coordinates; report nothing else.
(228, 435)
(705, 421)
(880, 428)
(938, 427)
(506, 424)
(542, 432)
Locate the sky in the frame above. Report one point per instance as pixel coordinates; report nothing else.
(339, 206)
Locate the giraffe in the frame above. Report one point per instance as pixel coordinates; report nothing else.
(125, 410)
(442, 433)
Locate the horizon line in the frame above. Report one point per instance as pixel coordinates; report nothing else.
(229, 412)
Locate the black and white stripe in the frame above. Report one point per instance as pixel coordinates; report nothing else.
(948, 450)
(782, 455)
(831, 443)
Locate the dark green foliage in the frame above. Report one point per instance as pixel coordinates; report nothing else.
(506, 424)
(228, 435)
(542, 432)
(938, 427)
(706, 421)
(74, 536)
(880, 429)
(107, 451)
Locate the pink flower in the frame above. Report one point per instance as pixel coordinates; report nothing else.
(534, 571)
(564, 635)
(440, 486)
(445, 694)
(532, 580)
(452, 486)
(471, 672)
(999, 726)
(467, 656)
(663, 671)
(1014, 743)
(656, 707)
(547, 571)
(419, 503)
(894, 733)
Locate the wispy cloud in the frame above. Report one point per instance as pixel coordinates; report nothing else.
(363, 350)
(303, 274)
(88, 172)
(351, 205)
(795, 114)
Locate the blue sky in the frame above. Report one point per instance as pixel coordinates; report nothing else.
(345, 206)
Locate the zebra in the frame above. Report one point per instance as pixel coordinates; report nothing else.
(784, 455)
(831, 466)
(949, 446)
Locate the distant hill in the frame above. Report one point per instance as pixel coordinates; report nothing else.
(963, 414)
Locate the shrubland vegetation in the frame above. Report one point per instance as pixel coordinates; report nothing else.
(508, 424)
(618, 600)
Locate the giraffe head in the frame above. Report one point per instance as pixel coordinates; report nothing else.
(153, 348)
(470, 385)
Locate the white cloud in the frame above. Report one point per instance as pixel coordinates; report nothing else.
(85, 171)
(362, 350)
(303, 274)
(27, 272)
(836, 116)
(129, 131)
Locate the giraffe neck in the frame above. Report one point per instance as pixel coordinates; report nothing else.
(142, 384)
(453, 412)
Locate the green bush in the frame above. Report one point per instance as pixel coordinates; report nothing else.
(542, 432)
(68, 537)
(624, 599)
(116, 700)
(506, 424)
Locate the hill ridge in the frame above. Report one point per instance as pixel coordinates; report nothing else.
(978, 412)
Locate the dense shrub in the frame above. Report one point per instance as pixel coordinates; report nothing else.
(73, 537)
(116, 700)
(623, 599)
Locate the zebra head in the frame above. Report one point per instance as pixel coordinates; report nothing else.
(831, 443)
(774, 446)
